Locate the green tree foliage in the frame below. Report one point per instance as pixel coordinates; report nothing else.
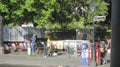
(101, 9)
(16, 12)
(52, 14)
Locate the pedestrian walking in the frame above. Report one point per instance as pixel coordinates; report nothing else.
(102, 51)
(108, 49)
(33, 42)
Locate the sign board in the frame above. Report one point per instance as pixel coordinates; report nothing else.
(99, 18)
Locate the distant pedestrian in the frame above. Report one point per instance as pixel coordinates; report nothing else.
(102, 51)
(98, 40)
(108, 49)
(33, 42)
(106, 39)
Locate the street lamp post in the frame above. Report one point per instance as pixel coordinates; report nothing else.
(1, 36)
(92, 7)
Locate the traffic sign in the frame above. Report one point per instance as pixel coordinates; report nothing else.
(99, 18)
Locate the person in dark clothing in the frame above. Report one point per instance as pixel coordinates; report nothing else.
(98, 40)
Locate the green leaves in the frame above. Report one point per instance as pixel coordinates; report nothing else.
(3, 8)
(53, 26)
(75, 24)
(18, 12)
(28, 5)
(102, 8)
(44, 12)
(13, 1)
(52, 14)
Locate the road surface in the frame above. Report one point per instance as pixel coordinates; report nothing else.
(41, 61)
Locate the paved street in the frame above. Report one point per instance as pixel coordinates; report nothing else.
(11, 65)
(40, 61)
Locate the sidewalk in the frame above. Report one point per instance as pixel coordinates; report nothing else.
(105, 65)
(41, 61)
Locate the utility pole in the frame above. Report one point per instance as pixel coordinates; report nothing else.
(93, 8)
(115, 47)
(1, 36)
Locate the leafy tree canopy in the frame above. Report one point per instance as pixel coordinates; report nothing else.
(52, 14)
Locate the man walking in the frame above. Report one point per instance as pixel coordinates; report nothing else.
(33, 41)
